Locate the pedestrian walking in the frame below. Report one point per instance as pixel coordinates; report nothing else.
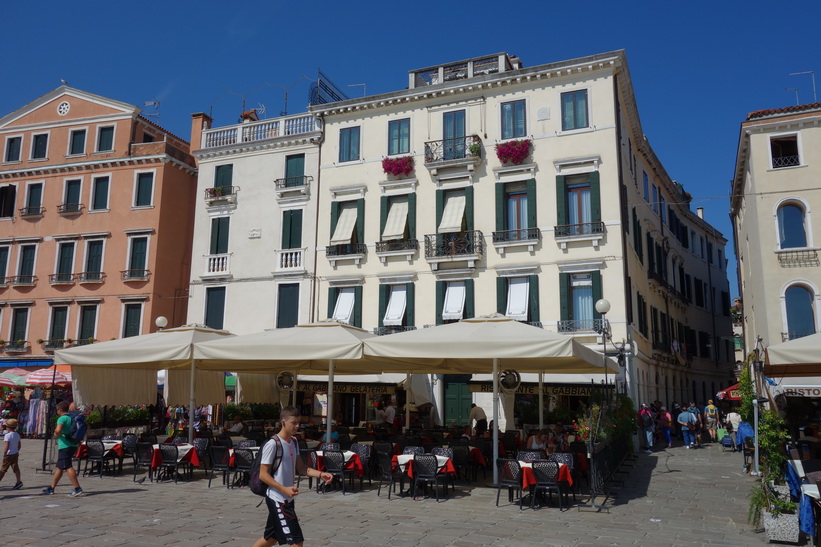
(67, 447)
(665, 423)
(711, 419)
(688, 420)
(11, 453)
(646, 423)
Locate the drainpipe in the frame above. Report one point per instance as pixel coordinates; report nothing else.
(314, 312)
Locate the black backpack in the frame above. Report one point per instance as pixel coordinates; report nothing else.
(646, 420)
(254, 483)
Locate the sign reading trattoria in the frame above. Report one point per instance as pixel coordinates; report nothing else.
(525, 389)
(374, 389)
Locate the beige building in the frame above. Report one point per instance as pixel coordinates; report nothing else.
(486, 186)
(774, 190)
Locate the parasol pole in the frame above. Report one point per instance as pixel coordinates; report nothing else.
(49, 412)
(541, 400)
(329, 410)
(191, 401)
(407, 400)
(495, 420)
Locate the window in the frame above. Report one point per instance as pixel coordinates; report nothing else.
(399, 137)
(138, 258)
(77, 142)
(655, 199)
(574, 110)
(295, 170)
(343, 310)
(454, 305)
(34, 199)
(88, 322)
(395, 310)
(219, 235)
(662, 209)
(580, 206)
(516, 211)
(453, 133)
(94, 261)
(513, 120)
(8, 196)
(19, 324)
(646, 183)
(13, 147)
(709, 253)
(518, 289)
(224, 176)
(144, 190)
(578, 292)
(292, 229)
(39, 146)
(132, 320)
(99, 194)
(214, 307)
(791, 227)
(105, 139)
(346, 222)
(65, 262)
(800, 304)
(396, 223)
(784, 151)
(287, 305)
(25, 269)
(4, 263)
(349, 144)
(59, 319)
(71, 196)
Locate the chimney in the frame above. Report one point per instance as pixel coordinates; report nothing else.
(200, 121)
(700, 212)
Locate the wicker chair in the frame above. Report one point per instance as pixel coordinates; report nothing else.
(531, 455)
(247, 443)
(415, 450)
(98, 457)
(244, 459)
(568, 459)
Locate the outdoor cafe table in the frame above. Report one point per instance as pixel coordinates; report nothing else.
(185, 452)
(232, 462)
(114, 447)
(405, 464)
(352, 462)
(529, 478)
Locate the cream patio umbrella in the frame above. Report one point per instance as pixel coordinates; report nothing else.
(487, 344)
(800, 357)
(124, 371)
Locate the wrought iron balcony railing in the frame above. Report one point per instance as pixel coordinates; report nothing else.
(18, 346)
(459, 148)
(292, 182)
(346, 249)
(134, 275)
(51, 345)
(586, 228)
(61, 278)
(576, 325)
(787, 336)
(382, 331)
(70, 208)
(32, 211)
(90, 277)
(786, 161)
(455, 244)
(522, 234)
(397, 245)
(23, 279)
(220, 192)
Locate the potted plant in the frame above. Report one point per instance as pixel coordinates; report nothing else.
(402, 166)
(475, 149)
(515, 152)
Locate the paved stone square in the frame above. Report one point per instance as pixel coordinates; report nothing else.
(672, 497)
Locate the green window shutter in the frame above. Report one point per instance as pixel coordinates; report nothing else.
(470, 309)
(78, 142)
(18, 324)
(105, 139)
(286, 230)
(88, 320)
(288, 305)
(100, 200)
(561, 201)
(214, 307)
(73, 193)
(139, 247)
(59, 314)
(334, 217)
(94, 256)
(412, 216)
(360, 221)
(66, 258)
(133, 319)
(650, 265)
(35, 195)
(597, 292)
(440, 207)
(533, 297)
(27, 259)
(564, 296)
(357, 307)
(4, 260)
(295, 166)
(469, 209)
(410, 308)
(296, 229)
(384, 206)
(595, 197)
(500, 207)
(531, 203)
(224, 176)
(145, 183)
(219, 235)
(383, 302)
(333, 292)
(441, 287)
(501, 295)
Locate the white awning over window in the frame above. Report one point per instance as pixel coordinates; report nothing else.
(518, 290)
(344, 225)
(453, 214)
(396, 306)
(454, 301)
(344, 305)
(397, 219)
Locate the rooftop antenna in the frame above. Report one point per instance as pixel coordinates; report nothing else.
(260, 110)
(364, 88)
(156, 105)
(811, 73)
(796, 94)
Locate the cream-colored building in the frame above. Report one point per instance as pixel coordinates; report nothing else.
(421, 223)
(774, 190)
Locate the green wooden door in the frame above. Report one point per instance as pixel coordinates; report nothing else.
(457, 404)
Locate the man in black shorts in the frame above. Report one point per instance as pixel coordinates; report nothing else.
(283, 525)
(66, 449)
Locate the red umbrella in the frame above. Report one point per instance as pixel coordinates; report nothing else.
(17, 371)
(729, 394)
(6, 381)
(46, 377)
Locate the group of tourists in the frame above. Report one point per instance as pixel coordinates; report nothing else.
(692, 424)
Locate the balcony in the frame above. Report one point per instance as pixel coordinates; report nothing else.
(290, 187)
(31, 212)
(18, 346)
(382, 331)
(786, 161)
(90, 277)
(454, 247)
(221, 195)
(453, 152)
(68, 209)
(174, 148)
(523, 237)
(290, 261)
(260, 131)
(580, 325)
(61, 279)
(23, 280)
(217, 265)
(587, 231)
(51, 345)
(787, 336)
(397, 247)
(134, 275)
(792, 258)
(346, 251)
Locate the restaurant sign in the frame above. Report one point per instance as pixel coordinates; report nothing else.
(802, 391)
(533, 389)
(375, 389)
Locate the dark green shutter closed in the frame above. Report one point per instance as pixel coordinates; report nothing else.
(470, 309)
(27, 260)
(384, 206)
(100, 200)
(533, 297)
(531, 203)
(88, 319)
(595, 197)
(295, 166)
(72, 194)
(357, 306)
(4, 260)
(501, 223)
(66, 258)
(94, 257)
(410, 307)
(19, 322)
(139, 247)
(501, 295)
(440, 207)
(469, 209)
(360, 221)
(214, 307)
(383, 302)
(334, 217)
(145, 182)
(561, 201)
(564, 296)
(333, 293)
(219, 235)
(288, 305)
(35, 196)
(412, 216)
(292, 229)
(441, 287)
(132, 320)
(597, 292)
(59, 315)
(224, 176)
(286, 230)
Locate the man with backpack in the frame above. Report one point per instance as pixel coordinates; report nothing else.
(711, 419)
(280, 459)
(67, 447)
(689, 422)
(647, 428)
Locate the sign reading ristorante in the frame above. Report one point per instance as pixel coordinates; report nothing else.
(533, 389)
(322, 387)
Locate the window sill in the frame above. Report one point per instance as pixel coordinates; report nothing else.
(408, 255)
(587, 129)
(502, 246)
(33, 160)
(13, 162)
(93, 211)
(141, 207)
(341, 163)
(786, 168)
(102, 152)
(594, 239)
(74, 156)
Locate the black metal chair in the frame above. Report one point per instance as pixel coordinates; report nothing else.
(461, 461)
(202, 446)
(568, 459)
(111, 438)
(179, 440)
(531, 455)
(415, 450)
(171, 461)
(364, 452)
(383, 447)
(244, 458)
(510, 442)
(426, 471)
(148, 438)
(247, 443)
(328, 446)
(129, 444)
(447, 453)
(220, 461)
(547, 480)
(390, 473)
(144, 457)
(510, 477)
(309, 458)
(334, 462)
(98, 457)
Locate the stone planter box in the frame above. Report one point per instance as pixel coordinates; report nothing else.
(781, 527)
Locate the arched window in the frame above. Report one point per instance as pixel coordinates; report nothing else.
(791, 226)
(800, 311)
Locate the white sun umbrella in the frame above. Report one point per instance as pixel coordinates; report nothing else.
(46, 377)
(486, 344)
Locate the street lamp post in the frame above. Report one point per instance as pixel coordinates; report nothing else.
(603, 307)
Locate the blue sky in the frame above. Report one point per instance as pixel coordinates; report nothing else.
(698, 68)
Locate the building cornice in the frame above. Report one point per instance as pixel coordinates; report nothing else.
(303, 139)
(108, 163)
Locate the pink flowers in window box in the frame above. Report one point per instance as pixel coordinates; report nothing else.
(398, 166)
(513, 151)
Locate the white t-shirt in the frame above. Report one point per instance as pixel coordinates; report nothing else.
(390, 414)
(476, 413)
(284, 475)
(13, 438)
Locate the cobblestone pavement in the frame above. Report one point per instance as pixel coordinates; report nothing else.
(672, 497)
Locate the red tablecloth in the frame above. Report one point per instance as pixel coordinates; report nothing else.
(477, 456)
(405, 462)
(529, 479)
(352, 462)
(187, 454)
(111, 446)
